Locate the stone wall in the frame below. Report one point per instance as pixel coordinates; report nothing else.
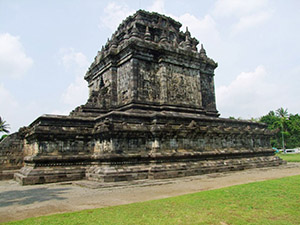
(11, 155)
(208, 92)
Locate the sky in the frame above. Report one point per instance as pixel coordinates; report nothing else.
(46, 48)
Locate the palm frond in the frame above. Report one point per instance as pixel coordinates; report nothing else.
(4, 126)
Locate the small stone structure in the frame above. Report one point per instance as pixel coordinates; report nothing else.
(151, 114)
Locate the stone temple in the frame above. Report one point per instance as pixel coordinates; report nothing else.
(151, 114)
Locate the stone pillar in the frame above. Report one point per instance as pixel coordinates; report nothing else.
(162, 73)
(135, 75)
(114, 80)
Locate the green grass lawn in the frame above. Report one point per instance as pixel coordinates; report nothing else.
(289, 157)
(269, 202)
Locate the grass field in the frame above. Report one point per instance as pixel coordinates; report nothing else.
(289, 157)
(269, 202)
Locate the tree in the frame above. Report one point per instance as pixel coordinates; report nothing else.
(3, 128)
(282, 114)
(273, 123)
(292, 133)
(288, 124)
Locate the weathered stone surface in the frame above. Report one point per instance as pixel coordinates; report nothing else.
(11, 155)
(150, 62)
(151, 114)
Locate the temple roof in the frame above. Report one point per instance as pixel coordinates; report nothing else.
(151, 28)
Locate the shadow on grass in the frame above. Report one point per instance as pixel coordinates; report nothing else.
(26, 197)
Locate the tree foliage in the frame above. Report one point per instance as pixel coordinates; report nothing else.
(4, 128)
(287, 125)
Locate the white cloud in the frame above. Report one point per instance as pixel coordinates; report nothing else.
(77, 63)
(204, 29)
(237, 7)
(157, 6)
(8, 106)
(114, 13)
(73, 60)
(251, 94)
(6, 99)
(251, 21)
(245, 14)
(13, 60)
(17, 113)
(76, 93)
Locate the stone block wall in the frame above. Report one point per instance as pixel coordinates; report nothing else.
(11, 156)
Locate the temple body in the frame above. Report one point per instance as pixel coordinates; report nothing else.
(151, 114)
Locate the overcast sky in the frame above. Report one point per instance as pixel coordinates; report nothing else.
(47, 46)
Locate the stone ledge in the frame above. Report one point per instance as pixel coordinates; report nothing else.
(148, 182)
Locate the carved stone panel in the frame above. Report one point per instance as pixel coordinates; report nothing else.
(125, 83)
(208, 92)
(183, 86)
(148, 82)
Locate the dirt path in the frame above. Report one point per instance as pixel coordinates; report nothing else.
(19, 202)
